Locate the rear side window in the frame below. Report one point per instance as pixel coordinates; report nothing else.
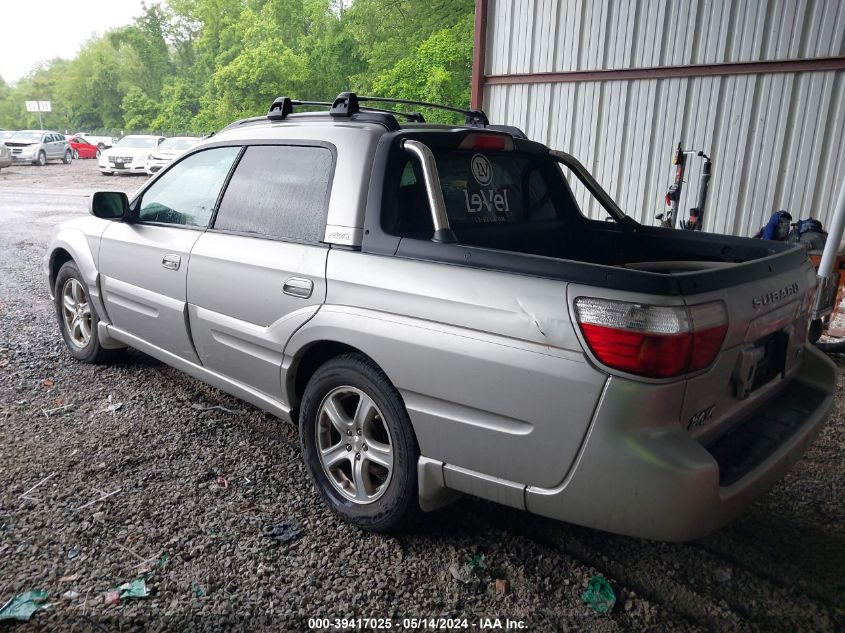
(480, 189)
(278, 191)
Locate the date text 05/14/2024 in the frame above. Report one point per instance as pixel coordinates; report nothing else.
(421, 624)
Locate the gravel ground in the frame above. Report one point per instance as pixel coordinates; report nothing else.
(135, 431)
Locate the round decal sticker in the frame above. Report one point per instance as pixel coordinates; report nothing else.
(482, 171)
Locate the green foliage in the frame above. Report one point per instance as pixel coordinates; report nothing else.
(195, 65)
(437, 71)
(138, 109)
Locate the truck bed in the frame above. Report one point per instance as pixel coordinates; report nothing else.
(649, 259)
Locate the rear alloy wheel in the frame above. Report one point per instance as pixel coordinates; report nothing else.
(359, 445)
(67, 157)
(77, 317)
(42, 159)
(97, 155)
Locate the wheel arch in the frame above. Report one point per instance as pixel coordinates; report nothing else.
(77, 243)
(58, 258)
(308, 360)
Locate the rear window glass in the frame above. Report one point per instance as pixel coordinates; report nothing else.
(278, 191)
(480, 188)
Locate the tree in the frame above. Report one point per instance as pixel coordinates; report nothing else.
(438, 71)
(198, 64)
(145, 38)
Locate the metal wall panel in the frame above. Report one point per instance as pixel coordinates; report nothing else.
(776, 139)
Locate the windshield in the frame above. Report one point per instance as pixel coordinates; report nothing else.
(140, 142)
(26, 136)
(4, 135)
(178, 143)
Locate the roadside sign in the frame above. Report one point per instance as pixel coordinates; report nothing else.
(44, 106)
(32, 106)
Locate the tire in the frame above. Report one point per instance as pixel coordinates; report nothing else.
(831, 348)
(75, 154)
(87, 349)
(97, 154)
(357, 485)
(67, 157)
(41, 160)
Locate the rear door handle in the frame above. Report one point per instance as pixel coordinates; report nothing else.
(171, 261)
(298, 287)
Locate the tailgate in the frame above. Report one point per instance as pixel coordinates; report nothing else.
(763, 349)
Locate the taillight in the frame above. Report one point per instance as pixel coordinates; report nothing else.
(652, 341)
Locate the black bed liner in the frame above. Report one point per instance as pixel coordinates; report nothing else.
(612, 277)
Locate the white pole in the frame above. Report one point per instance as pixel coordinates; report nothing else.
(834, 235)
(831, 248)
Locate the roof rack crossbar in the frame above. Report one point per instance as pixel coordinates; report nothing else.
(411, 116)
(473, 117)
(347, 104)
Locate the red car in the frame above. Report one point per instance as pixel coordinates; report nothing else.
(82, 148)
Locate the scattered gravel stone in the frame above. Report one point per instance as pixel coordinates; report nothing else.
(723, 575)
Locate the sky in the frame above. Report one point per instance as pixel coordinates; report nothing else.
(33, 31)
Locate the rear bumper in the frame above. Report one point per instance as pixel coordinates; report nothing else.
(652, 480)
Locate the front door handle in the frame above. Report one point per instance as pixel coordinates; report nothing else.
(171, 261)
(298, 287)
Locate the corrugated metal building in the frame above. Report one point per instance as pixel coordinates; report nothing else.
(756, 84)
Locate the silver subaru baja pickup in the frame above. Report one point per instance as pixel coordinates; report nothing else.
(433, 309)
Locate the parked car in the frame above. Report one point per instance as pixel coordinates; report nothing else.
(5, 155)
(129, 154)
(82, 148)
(102, 142)
(169, 149)
(433, 308)
(38, 146)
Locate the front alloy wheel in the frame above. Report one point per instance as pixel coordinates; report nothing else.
(75, 154)
(76, 312)
(78, 317)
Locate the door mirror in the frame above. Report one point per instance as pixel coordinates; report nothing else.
(109, 205)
